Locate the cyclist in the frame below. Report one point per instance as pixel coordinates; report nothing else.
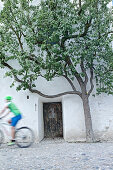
(14, 120)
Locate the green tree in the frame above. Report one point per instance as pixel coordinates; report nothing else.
(59, 38)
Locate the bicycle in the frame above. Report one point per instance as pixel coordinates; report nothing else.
(24, 136)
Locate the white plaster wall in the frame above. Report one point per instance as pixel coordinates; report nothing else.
(40, 121)
(102, 116)
(73, 118)
(26, 106)
(101, 113)
(57, 85)
(1, 5)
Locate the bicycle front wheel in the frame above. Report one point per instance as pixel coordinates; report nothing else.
(24, 137)
(1, 137)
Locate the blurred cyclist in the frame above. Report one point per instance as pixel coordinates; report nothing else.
(14, 120)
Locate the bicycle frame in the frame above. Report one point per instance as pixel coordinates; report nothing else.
(3, 125)
(23, 140)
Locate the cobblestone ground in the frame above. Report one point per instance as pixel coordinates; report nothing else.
(58, 155)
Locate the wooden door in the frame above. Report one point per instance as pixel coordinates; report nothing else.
(53, 126)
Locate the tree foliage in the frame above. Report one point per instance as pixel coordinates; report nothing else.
(57, 36)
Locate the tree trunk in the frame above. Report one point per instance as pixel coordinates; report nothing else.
(88, 121)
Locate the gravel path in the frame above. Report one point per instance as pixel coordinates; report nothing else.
(58, 155)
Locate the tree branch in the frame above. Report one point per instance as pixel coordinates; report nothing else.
(11, 68)
(87, 25)
(84, 71)
(19, 40)
(110, 32)
(80, 4)
(36, 91)
(76, 74)
(91, 82)
(50, 96)
(73, 87)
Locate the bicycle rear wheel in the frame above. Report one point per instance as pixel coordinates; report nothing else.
(1, 137)
(24, 137)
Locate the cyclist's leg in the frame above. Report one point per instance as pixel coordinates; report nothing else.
(13, 133)
(9, 121)
(12, 142)
(14, 122)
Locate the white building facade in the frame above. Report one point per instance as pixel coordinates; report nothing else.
(72, 116)
(70, 125)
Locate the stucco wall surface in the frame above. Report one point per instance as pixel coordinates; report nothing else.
(28, 107)
(101, 113)
(73, 116)
(72, 108)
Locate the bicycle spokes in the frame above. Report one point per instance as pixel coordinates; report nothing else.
(24, 137)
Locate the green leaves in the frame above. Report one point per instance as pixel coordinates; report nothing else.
(57, 38)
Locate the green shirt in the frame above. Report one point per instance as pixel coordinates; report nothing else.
(12, 107)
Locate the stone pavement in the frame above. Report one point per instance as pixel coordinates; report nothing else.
(58, 155)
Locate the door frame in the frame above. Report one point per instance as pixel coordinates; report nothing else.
(61, 115)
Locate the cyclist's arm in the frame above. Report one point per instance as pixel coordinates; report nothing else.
(6, 114)
(4, 109)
